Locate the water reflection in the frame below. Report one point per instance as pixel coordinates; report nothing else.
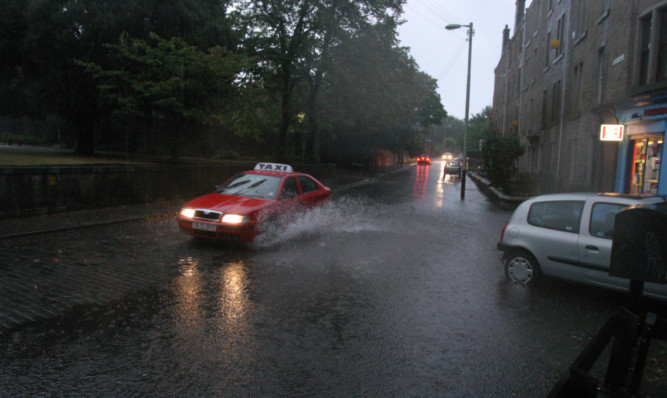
(212, 313)
(421, 180)
(188, 291)
(234, 302)
(220, 300)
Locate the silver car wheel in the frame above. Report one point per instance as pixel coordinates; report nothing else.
(522, 268)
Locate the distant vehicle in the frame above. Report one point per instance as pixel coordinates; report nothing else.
(236, 209)
(423, 159)
(453, 167)
(568, 236)
(447, 156)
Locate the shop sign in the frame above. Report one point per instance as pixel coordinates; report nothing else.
(611, 132)
(660, 111)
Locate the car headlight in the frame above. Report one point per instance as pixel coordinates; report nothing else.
(188, 213)
(233, 219)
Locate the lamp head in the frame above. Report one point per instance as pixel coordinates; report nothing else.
(452, 26)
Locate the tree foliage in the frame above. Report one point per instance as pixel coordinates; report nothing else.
(171, 83)
(297, 73)
(500, 155)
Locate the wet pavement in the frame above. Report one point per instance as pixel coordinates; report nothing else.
(405, 297)
(66, 275)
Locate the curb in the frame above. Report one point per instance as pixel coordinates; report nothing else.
(495, 194)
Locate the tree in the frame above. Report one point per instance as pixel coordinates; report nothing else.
(176, 85)
(500, 155)
(479, 127)
(375, 95)
(48, 40)
(293, 40)
(452, 134)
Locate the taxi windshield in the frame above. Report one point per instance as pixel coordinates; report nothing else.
(251, 185)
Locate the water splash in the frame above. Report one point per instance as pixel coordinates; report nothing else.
(342, 215)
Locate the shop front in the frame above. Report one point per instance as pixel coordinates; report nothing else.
(640, 167)
(646, 151)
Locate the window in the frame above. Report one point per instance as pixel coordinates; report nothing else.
(559, 215)
(579, 16)
(560, 35)
(556, 101)
(662, 48)
(307, 185)
(602, 67)
(578, 82)
(548, 50)
(602, 219)
(604, 6)
(290, 189)
(572, 153)
(645, 49)
(545, 109)
(251, 185)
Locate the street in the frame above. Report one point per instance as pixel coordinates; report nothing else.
(394, 288)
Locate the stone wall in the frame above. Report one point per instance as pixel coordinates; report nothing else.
(39, 190)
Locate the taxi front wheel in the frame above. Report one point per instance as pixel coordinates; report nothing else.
(521, 267)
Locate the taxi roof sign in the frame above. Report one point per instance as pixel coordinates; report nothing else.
(274, 167)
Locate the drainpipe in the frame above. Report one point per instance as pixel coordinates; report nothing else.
(566, 39)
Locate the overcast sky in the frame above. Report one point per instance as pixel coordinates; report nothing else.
(443, 54)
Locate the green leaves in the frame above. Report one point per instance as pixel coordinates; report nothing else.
(500, 155)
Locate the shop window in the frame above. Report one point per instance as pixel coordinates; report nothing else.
(646, 156)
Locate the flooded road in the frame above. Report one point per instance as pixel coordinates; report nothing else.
(392, 289)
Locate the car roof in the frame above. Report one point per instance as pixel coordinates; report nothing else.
(274, 169)
(644, 198)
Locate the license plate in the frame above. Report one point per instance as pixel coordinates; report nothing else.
(204, 227)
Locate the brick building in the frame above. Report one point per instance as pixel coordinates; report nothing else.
(572, 66)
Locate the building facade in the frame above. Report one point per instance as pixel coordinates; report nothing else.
(573, 66)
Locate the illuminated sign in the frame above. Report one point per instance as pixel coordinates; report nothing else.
(611, 132)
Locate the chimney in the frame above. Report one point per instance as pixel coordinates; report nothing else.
(506, 36)
(520, 9)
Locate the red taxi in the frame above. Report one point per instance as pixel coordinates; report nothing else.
(235, 210)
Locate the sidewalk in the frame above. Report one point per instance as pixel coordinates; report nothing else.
(30, 225)
(22, 226)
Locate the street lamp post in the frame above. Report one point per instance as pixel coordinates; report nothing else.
(465, 131)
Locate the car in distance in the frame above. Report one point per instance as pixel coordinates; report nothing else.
(423, 159)
(235, 210)
(447, 156)
(453, 167)
(568, 236)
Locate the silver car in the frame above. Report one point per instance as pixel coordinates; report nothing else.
(453, 167)
(568, 236)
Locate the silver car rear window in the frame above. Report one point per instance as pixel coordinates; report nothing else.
(564, 215)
